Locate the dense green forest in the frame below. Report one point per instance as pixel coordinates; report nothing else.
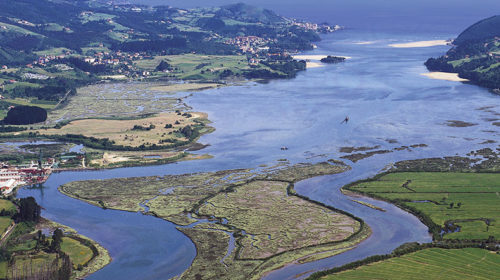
(25, 115)
(475, 54)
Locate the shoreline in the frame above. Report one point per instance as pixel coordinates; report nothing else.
(445, 76)
(307, 254)
(421, 44)
(314, 61)
(96, 263)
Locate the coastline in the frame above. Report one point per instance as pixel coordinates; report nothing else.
(314, 61)
(453, 77)
(301, 254)
(421, 44)
(96, 263)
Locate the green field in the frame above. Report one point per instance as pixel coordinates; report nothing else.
(4, 224)
(197, 67)
(200, 67)
(469, 200)
(17, 29)
(53, 51)
(434, 263)
(7, 205)
(78, 253)
(3, 269)
(31, 102)
(5, 221)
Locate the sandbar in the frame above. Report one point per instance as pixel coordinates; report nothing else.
(421, 44)
(444, 76)
(114, 77)
(310, 64)
(364, 43)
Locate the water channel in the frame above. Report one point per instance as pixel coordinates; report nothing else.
(389, 103)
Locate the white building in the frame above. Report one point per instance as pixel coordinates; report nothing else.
(8, 186)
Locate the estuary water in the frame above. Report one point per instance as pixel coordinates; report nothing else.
(389, 104)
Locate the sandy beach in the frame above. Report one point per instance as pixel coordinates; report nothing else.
(421, 44)
(444, 76)
(310, 64)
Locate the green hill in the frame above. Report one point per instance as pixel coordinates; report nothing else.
(475, 54)
(38, 25)
(482, 30)
(247, 13)
(48, 48)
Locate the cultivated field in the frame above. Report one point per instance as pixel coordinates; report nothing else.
(197, 67)
(468, 200)
(78, 253)
(433, 263)
(7, 205)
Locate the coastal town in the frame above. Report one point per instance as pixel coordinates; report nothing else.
(12, 176)
(123, 62)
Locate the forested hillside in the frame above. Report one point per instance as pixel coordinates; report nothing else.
(475, 54)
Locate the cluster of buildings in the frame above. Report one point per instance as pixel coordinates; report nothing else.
(34, 76)
(114, 58)
(250, 44)
(43, 60)
(495, 54)
(99, 58)
(323, 28)
(14, 176)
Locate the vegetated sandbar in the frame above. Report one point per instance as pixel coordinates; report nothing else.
(444, 76)
(313, 61)
(310, 64)
(315, 57)
(364, 43)
(271, 223)
(421, 44)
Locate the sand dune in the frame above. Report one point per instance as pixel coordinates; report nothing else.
(444, 76)
(421, 44)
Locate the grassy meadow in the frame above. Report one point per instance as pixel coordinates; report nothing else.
(469, 200)
(433, 263)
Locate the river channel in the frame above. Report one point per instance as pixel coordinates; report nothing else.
(389, 104)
